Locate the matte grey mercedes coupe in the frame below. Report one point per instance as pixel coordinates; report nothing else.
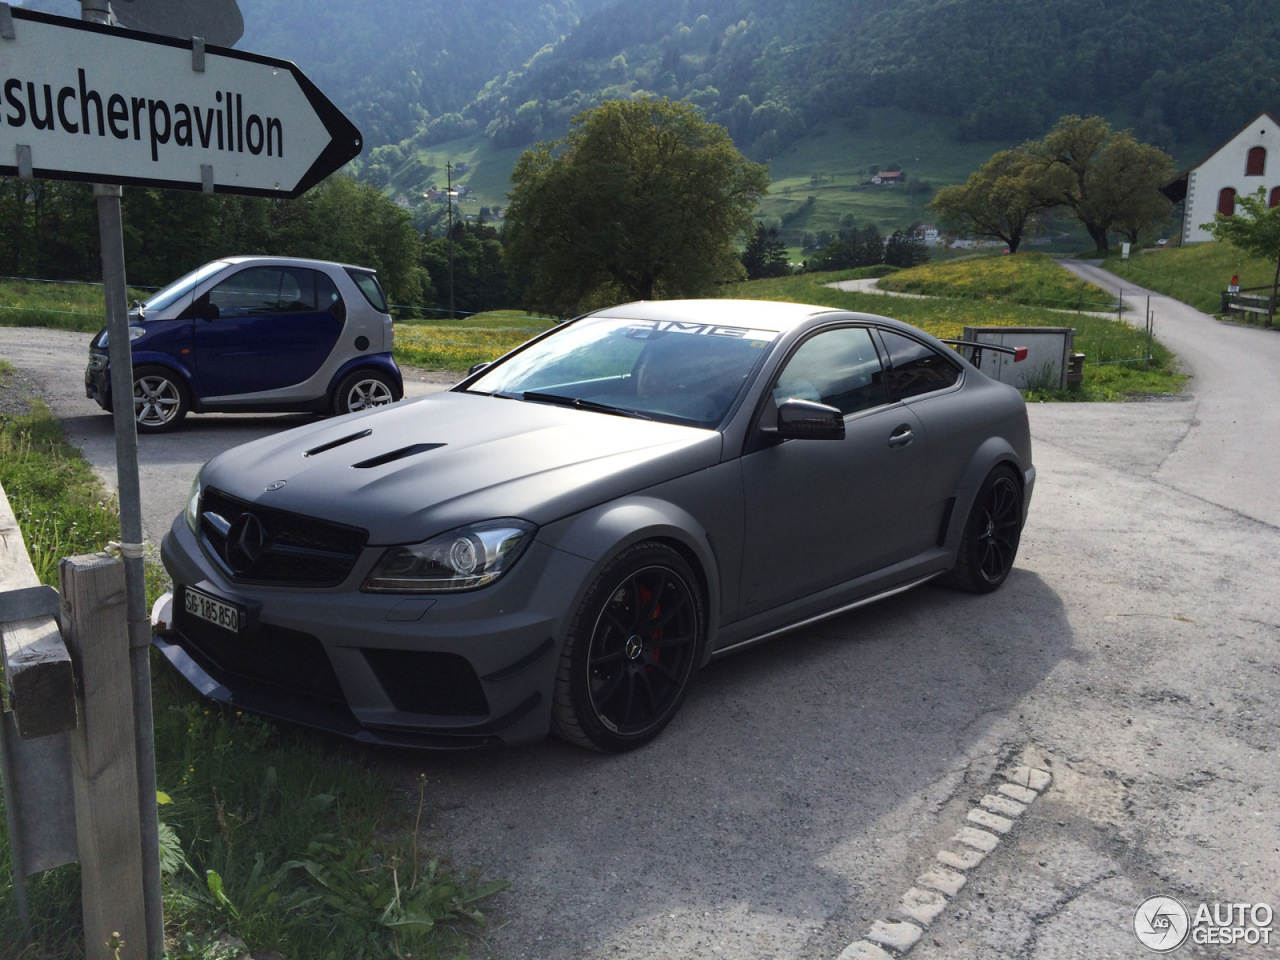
(560, 541)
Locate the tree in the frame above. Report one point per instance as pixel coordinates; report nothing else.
(1254, 228)
(1001, 197)
(766, 254)
(1111, 180)
(905, 249)
(641, 199)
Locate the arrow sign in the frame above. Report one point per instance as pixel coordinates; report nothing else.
(84, 101)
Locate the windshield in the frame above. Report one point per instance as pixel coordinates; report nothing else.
(183, 286)
(687, 373)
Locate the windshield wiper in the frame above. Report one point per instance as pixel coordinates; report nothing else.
(582, 404)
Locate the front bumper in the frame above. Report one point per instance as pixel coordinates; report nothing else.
(97, 380)
(448, 671)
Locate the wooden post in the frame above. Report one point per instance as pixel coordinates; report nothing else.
(104, 767)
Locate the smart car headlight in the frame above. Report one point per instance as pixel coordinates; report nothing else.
(135, 332)
(462, 559)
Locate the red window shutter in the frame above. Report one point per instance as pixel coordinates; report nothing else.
(1275, 197)
(1227, 201)
(1257, 162)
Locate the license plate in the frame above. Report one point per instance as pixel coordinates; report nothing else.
(213, 610)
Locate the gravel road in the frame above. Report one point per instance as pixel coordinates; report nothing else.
(1133, 654)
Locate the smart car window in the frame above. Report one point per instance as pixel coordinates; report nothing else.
(327, 296)
(837, 367)
(369, 286)
(916, 368)
(252, 293)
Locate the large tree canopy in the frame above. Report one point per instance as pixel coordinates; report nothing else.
(641, 199)
(1000, 198)
(1107, 179)
(1112, 181)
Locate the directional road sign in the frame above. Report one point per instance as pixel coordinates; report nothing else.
(83, 101)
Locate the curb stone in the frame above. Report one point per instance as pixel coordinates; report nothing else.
(938, 885)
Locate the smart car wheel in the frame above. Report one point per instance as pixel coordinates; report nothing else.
(631, 651)
(361, 390)
(160, 399)
(991, 534)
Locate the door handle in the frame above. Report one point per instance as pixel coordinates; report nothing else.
(901, 436)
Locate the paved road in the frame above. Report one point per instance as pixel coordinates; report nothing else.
(806, 784)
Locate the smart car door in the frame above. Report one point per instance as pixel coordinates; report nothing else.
(822, 512)
(265, 328)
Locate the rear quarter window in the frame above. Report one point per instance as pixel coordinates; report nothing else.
(916, 368)
(372, 290)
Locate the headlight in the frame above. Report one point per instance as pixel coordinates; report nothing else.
(193, 503)
(461, 559)
(134, 333)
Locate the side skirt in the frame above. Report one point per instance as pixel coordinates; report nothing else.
(826, 615)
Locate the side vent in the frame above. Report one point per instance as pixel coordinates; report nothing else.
(337, 443)
(394, 455)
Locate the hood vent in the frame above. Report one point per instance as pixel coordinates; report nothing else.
(337, 443)
(394, 455)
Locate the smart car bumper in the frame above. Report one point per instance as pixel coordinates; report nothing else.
(440, 672)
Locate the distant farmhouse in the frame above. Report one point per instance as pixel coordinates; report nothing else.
(1247, 161)
(888, 176)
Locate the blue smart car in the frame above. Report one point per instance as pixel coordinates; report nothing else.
(252, 335)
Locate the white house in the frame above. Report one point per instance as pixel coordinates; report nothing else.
(1247, 161)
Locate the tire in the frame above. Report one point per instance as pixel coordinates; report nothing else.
(991, 534)
(631, 651)
(363, 390)
(160, 399)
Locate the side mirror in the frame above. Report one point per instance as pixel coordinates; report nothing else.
(476, 368)
(806, 420)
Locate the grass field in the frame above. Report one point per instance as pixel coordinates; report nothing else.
(1027, 278)
(1197, 274)
(1110, 345)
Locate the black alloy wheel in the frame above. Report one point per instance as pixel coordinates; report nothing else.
(631, 651)
(991, 534)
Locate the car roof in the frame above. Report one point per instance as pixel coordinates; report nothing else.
(292, 262)
(757, 314)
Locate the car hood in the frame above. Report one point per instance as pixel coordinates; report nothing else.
(415, 469)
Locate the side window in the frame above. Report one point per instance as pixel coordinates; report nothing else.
(254, 292)
(837, 367)
(915, 368)
(1227, 201)
(262, 291)
(328, 298)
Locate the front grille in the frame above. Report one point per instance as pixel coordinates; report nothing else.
(265, 654)
(256, 544)
(440, 684)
